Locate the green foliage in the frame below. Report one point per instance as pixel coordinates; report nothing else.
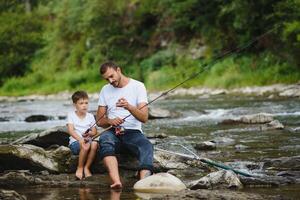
(59, 45)
(20, 37)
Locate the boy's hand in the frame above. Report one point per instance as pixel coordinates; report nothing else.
(87, 133)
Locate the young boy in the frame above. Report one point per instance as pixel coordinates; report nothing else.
(78, 122)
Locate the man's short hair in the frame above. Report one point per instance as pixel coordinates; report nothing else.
(79, 95)
(106, 65)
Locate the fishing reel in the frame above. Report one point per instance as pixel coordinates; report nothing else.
(119, 130)
(86, 136)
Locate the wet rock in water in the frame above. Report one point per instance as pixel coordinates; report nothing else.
(283, 163)
(229, 122)
(54, 136)
(38, 118)
(275, 124)
(4, 119)
(266, 181)
(158, 113)
(156, 135)
(207, 145)
(219, 179)
(294, 130)
(291, 174)
(259, 118)
(159, 183)
(11, 195)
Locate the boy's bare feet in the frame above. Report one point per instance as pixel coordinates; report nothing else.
(87, 172)
(116, 186)
(79, 173)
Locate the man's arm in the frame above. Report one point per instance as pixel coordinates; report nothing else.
(103, 121)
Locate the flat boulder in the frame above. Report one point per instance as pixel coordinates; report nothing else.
(159, 183)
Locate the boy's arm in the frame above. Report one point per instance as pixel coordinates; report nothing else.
(72, 132)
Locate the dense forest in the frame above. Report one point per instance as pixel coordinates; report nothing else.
(49, 46)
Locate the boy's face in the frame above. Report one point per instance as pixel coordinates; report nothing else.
(112, 76)
(82, 105)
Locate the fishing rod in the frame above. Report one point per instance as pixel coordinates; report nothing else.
(213, 163)
(204, 67)
(204, 160)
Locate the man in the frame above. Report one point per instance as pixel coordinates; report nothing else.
(122, 106)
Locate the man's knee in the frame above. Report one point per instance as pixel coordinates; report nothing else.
(107, 143)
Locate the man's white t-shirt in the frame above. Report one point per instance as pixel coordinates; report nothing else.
(80, 125)
(134, 92)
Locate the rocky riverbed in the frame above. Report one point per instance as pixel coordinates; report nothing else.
(256, 133)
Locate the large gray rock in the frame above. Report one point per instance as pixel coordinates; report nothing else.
(259, 118)
(54, 136)
(219, 179)
(34, 158)
(159, 183)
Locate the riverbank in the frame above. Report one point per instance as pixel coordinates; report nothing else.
(271, 91)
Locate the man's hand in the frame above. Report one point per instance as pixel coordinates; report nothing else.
(116, 121)
(122, 102)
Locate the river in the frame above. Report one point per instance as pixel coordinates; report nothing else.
(199, 120)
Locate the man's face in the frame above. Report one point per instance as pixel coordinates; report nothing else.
(112, 76)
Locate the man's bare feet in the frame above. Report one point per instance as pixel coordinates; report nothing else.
(79, 173)
(116, 186)
(87, 172)
(145, 173)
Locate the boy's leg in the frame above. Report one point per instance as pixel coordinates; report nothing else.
(84, 149)
(90, 158)
(109, 143)
(137, 143)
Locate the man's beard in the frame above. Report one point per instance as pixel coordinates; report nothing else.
(116, 83)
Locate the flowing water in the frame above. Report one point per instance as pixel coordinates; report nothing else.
(199, 120)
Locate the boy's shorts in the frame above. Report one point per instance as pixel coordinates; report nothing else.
(75, 147)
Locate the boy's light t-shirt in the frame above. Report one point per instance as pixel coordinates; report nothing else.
(134, 92)
(80, 125)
